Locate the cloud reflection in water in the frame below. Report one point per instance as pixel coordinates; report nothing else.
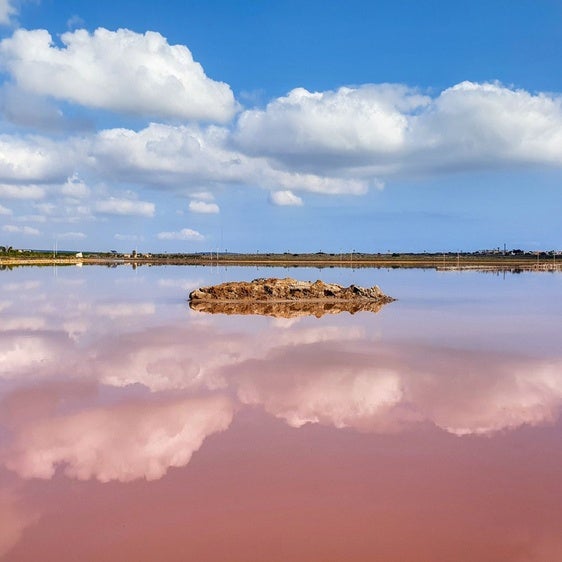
(197, 372)
(123, 442)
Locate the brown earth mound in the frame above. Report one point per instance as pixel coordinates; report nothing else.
(286, 298)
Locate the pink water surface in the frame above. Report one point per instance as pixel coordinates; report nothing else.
(132, 428)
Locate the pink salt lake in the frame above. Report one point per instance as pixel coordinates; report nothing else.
(133, 428)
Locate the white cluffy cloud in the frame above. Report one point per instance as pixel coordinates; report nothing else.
(285, 199)
(166, 155)
(183, 234)
(5, 211)
(471, 126)
(119, 71)
(373, 117)
(387, 130)
(336, 142)
(125, 207)
(203, 207)
(343, 142)
(34, 159)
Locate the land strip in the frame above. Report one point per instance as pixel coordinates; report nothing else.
(445, 261)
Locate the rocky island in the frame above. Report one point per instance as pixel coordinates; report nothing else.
(286, 298)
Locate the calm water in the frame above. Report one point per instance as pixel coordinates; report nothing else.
(132, 428)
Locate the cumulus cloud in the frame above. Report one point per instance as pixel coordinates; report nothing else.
(472, 125)
(285, 199)
(125, 207)
(467, 127)
(203, 207)
(118, 71)
(384, 131)
(173, 155)
(35, 159)
(347, 123)
(5, 211)
(25, 109)
(344, 141)
(340, 142)
(26, 230)
(183, 234)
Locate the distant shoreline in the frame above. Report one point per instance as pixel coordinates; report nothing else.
(444, 261)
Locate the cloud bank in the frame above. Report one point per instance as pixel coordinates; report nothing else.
(332, 143)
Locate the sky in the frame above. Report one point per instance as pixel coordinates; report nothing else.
(273, 126)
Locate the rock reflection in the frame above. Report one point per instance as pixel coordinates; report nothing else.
(286, 309)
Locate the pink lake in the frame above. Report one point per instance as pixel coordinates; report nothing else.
(133, 428)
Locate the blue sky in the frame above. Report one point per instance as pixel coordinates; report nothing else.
(281, 126)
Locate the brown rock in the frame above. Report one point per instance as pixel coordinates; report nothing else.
(286, 298)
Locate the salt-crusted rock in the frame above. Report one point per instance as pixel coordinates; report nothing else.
(286, 298)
